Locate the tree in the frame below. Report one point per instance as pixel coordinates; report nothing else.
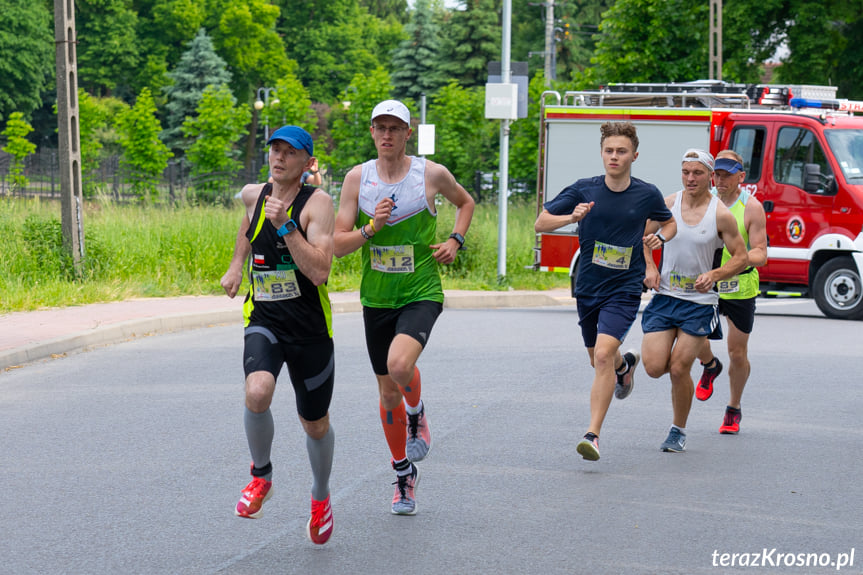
(415, 64)
(466, 142)
(108, 50)
(144, 154)
(294, 107)
(752, 31)
(334, 40)
(27, 61)
(471, 41)
(97, 132)
(216, 127)
(199, 68)
(18, 146)
(385, 9)
(352, 141)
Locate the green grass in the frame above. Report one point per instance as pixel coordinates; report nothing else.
(134, 251)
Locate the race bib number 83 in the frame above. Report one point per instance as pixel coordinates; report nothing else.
(275, 285)
(392, 259)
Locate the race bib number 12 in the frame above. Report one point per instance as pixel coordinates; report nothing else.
(392, 259)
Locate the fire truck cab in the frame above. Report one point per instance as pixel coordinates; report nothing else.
(803, 156)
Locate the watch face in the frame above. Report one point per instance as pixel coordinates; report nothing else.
(291, 225)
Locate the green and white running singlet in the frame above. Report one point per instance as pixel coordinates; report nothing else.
(398, 267)
(281, 297)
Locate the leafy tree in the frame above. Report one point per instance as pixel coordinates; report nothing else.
(294, 107)
(27, 61)
(216, 127)
(352, 141)
(108, 50)
(385, 9)
(335, 39)
(751, 33)
(653, 41)
(199, 68)
(143, 152)
(524, 135)
(97, 133)
(244, 33)
(17, 144)
(471, 41)
(466, 141)
(816, 40)
(416, 69)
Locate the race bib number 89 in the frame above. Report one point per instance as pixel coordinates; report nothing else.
(614, 257)
(731, 285)
(392, 259)
(275, 285)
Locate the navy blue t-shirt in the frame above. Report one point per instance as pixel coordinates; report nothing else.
(612, 255)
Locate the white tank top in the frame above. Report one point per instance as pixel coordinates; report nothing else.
(689, 254)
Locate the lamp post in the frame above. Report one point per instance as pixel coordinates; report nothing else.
(260, 103)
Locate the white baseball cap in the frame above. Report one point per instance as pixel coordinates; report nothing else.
(392, 108)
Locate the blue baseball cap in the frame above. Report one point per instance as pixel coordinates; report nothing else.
(730, 165)
(295, 136)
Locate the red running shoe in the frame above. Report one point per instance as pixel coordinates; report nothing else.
(731, 423)
(705, 385)
(255, 493)
(320, 525)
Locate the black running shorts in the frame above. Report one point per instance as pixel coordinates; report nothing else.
(383, 324)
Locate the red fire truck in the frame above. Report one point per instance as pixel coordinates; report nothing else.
(803, 155)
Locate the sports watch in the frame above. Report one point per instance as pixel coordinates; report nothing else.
(660, 237)
(287, 228)
(458, 237)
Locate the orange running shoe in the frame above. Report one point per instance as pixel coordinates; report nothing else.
(404, 498)
(320, 525)
(255, 493)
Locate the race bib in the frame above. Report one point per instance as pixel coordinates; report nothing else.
(731, 285)
(682, 283)
(392, 259)
(275, 285)
(614, 257)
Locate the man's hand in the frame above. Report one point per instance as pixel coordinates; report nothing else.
(231, 281)
(276, 211)
(580, 211)
(652, 242)
(651, 277)
(444, 253)
(382, 213)
(704, 283)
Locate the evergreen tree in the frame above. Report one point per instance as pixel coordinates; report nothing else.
(144, 154)
(471, 42)
(27, 61)
(416, 69)
(199, 68)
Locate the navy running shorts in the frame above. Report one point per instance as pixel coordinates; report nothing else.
(610, 315)
(665, 312)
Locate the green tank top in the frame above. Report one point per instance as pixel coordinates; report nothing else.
(398, 267)
(747, 281)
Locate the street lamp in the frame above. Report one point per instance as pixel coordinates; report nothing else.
(260, 104)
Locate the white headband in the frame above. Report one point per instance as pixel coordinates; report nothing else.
(703, 158)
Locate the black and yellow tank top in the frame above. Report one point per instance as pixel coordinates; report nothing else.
(280, 296)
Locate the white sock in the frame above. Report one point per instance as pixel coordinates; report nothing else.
(680, 429)
(414, 410)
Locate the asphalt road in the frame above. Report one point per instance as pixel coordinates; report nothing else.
(129, 459)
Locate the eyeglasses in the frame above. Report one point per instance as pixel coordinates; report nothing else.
(390, 129)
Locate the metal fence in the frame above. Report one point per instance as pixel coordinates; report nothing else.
(112, 179)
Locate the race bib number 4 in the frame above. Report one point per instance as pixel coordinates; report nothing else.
(614, 257)
(731, 285)
(680, 282)
(392, 259)
(275, 285)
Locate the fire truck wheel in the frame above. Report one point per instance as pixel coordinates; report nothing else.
(838, 290)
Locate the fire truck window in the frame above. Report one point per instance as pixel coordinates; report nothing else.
(796, 147)
(847, 146)
(749, 143)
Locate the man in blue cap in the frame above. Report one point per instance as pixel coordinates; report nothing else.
(736, 296)
(288, 230)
